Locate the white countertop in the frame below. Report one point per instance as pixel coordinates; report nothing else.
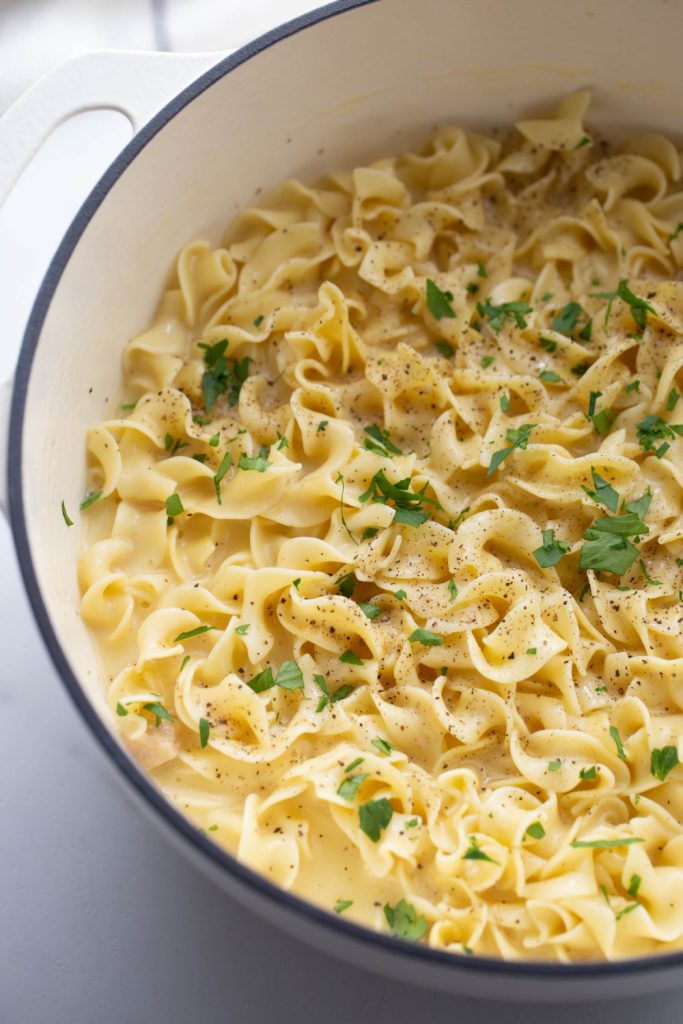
(101, 921)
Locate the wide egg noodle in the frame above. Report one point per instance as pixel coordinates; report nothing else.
(505, 709)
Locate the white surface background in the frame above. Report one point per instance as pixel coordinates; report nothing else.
(101, 922)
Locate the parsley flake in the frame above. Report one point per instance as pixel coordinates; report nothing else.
(259, 464)
(663, 761)
(204, 729)
(374, 816)
(404, 922)
(614, 733)
(518, 438)
(535, 831)
(567, 319)
(90, 499)
(439, 302)
(65, 514)
(605, 844)
(425, 637)
(446, 350)
(222, 376)
(639, 307)
(552, 550)
(349, 658)
(226, 463)
(604, 493)
(497, 315)
(157, 709)
(188, 634)
(380, 442)
(342, 905)
(475, 852)
(348, 788)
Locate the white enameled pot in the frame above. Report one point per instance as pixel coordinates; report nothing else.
(352, 81)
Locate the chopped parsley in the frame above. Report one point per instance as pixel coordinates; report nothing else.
(222, 376)
(446, 350)
(585, 141)
(497, 315)
(243, 629)
(548, 344)
(213, 441)
(633, 387)
(481, 269)
(282, 441)
(348, 787)
(188, 634)
(374, 816)
(439, 302)
(354, 764)
(452, 589)
(400, 595)
(322, 426)
(588, 773)
(663, 761)
(347, 584)
(604, 493)
(554, 766)
(606, 546)
(605, 844)
(654, 428)
(486, 361)
(159, 711)
(404, 922)
(259, 320)
(504, 402)
(90, 499)
(339, 694)
(580, 369)
(342, 905)
(535, 831)
(258, 463)
(174, 506)
(349, 658)
(550, 377)
(672, 400)
(475, 852)
(425, 637)
(121, 711)
(602, 421)
(289, 677)
(567, 319)
(639, 307)
(552, 550)
(614, 733)
(531, 650)
(634, 886)
(409, 506)
(369, 609)
(226, 463)
(65, 514)
(518, 438)
(380, 442)
(340, 480)
(383, 746)
(204, 729)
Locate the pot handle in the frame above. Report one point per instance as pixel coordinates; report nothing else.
(137, 84)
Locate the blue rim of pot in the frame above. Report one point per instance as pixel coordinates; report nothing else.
(378, 942)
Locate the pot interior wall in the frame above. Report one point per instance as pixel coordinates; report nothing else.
(355, 86)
